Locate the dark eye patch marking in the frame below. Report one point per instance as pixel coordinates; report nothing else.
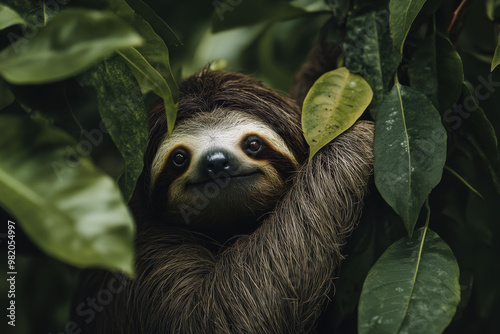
(173, 168)
(266, 152)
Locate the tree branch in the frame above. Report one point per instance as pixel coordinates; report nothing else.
(457, 20)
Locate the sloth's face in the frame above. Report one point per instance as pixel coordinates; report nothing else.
(221, 166)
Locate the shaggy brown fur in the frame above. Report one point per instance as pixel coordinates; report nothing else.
(274, 280)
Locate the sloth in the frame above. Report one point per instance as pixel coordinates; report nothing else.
(237, 231)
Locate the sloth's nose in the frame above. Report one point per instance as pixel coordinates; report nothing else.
(218, 161)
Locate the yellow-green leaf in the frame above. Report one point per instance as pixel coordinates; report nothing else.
(496, 56)
(151, 80)
(6, 96)
(334, 103)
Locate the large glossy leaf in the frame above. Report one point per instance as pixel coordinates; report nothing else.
(238, 13)
(410, 151)
(339, 8)
(369, 52)
(332, 105)
(412, 288)
(9, 17)
(68, 208)
(422, 69)
(402, 14)
(121, 105)
(437, 71)
(69, 43)
(479, 131)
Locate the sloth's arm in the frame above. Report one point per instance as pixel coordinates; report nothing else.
(275, 280)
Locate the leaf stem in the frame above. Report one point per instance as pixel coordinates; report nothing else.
(463, 181)
(428, 218)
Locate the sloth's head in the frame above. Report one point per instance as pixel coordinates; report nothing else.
(234, 147)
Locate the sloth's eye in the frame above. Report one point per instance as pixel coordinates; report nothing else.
(179, 157)
(252, 144)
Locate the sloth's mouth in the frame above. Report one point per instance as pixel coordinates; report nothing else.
(223, 180)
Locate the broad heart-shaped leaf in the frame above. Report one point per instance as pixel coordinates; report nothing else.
(150, 80)
(239, 13)
(409, 150)
(412, 288)
(65, 205)
(369, 52)
(154, 50)
(437, 71)
(69, 43)
(401, 16)
(9, 17)
(480, 133)
(332, 105)
(121, 106)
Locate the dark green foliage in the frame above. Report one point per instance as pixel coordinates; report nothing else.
(76, 83)
(410, 278)
(410, 151)
(125, 115)
(369, 52)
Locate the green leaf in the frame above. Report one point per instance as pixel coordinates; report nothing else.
(332, 105)
(150, 80)
(239, 13)
(496, 56)
(65, 205)
(402, 14)
(161, 28)
(154, 50)
(412, 288)
(6, 96)
(339, 8)
(450, 72)
(481, 134)
(69, 43)
(121, 106)
(9, 17)
(409, 150)
(369, 52)
(467, 184)
(437, 71)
